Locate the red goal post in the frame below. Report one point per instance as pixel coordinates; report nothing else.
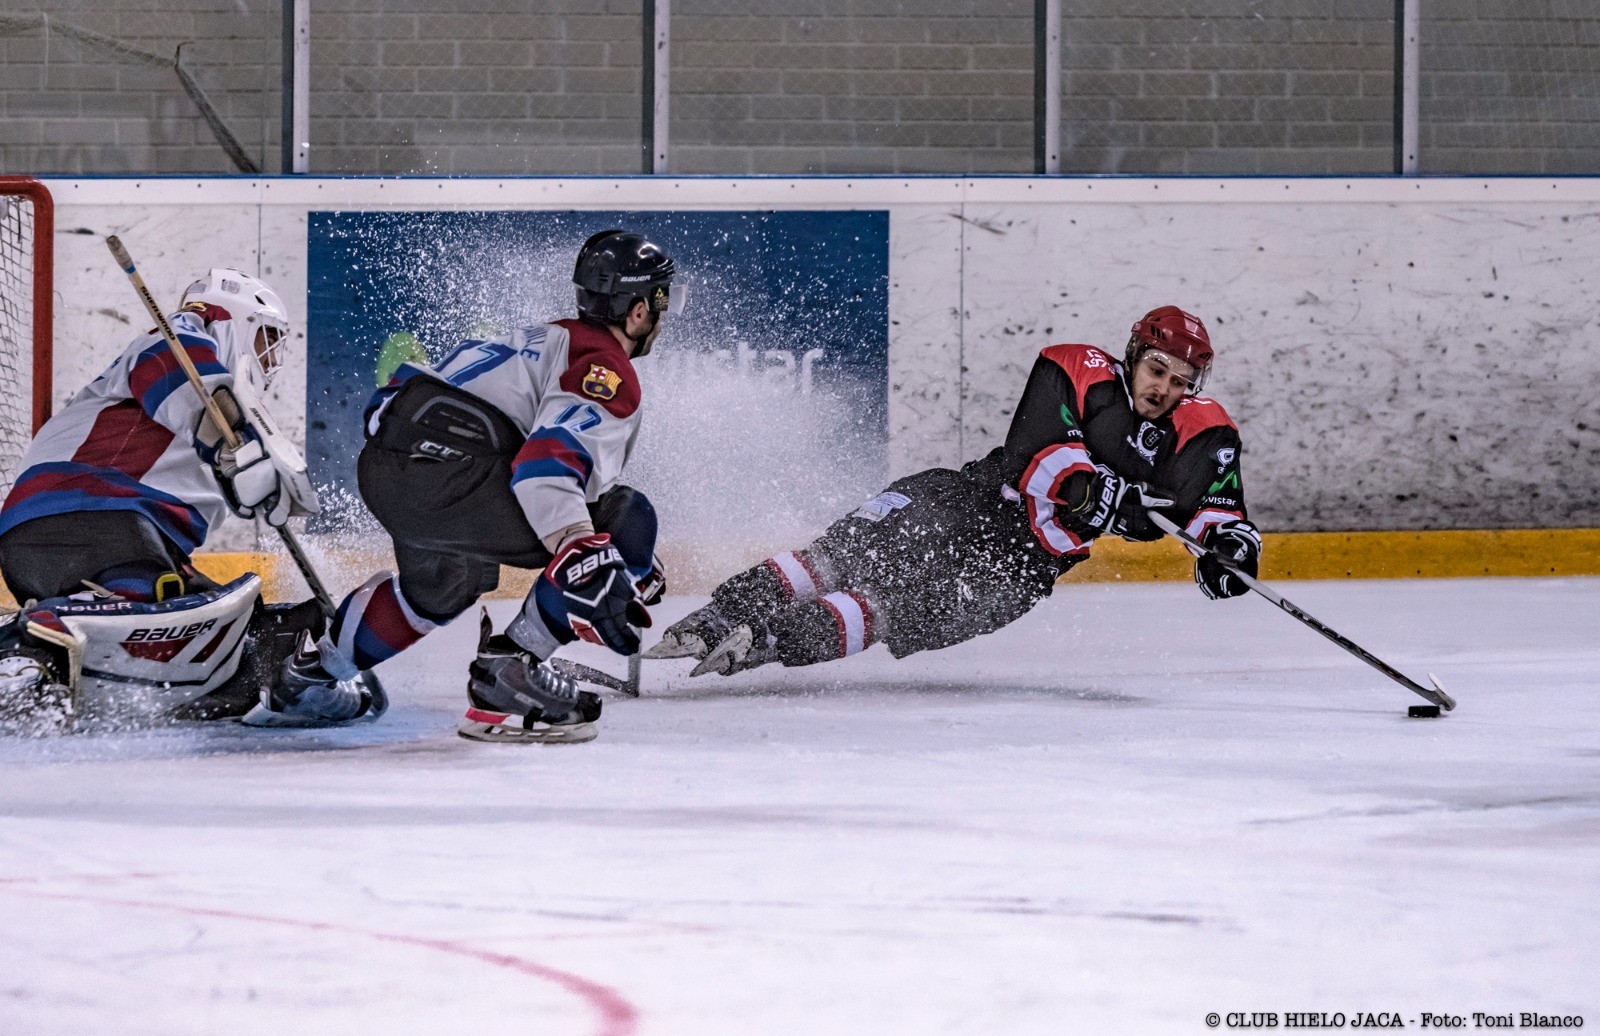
(27, 262)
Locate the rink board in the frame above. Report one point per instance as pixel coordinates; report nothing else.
(1401, 354)
(1360, 555)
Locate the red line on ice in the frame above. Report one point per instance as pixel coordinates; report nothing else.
(618, 1017)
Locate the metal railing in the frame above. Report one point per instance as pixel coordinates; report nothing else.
(737, 87)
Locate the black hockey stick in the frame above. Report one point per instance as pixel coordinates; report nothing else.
(628, 688)
(125, 261)
(1436, 694)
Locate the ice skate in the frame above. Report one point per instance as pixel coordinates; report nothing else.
(33, 700)
(694, 635)
(743, 648)
(511, 696)
(306, 694)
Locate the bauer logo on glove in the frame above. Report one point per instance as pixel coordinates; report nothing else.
(587, 564)
(601, 602)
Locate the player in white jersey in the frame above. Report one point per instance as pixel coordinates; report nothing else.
(126, 481)
(510, 451)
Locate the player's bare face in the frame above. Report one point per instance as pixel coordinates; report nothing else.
(1159, 381)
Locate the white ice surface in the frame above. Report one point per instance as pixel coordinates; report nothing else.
(1129, 809)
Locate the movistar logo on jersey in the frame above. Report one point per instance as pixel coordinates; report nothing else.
(1230, 482)
(1066, 417)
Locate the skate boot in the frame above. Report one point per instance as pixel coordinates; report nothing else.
(694, 635)
(34, 702)
(307, 694)
(512, 696)
(743, 648)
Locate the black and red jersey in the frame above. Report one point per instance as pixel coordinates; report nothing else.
(1076, 412)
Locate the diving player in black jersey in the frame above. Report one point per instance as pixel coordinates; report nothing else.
(944, 555)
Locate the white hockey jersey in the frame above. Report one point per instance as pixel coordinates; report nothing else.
(127, 440)
(572, 392)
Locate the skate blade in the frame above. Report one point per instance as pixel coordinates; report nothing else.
(507, 732)
(670, 646)
(734, 647)
(261, 716)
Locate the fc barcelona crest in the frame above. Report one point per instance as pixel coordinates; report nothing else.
(600, 382)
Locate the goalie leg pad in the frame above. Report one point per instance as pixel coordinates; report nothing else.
(140, 660)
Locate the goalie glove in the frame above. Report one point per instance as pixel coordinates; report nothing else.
(1240, 543)
(1108, 503)
(251, 484)
(602, 605)
(265, 475)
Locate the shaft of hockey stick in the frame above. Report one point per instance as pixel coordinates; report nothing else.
(1435, 694)
(120, 253)
(628, 688)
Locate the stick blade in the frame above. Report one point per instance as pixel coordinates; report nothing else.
(1445, 701)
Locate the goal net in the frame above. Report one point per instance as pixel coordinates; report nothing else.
(26, 236)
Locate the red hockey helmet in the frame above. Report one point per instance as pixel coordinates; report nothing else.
(1176, 333)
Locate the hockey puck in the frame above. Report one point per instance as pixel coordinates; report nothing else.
(1423, 711)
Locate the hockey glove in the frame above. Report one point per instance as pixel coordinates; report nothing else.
(653, 584)
(1107, 503)
(255, 479)
(1240, 543)
(250, 483)
(602, 605)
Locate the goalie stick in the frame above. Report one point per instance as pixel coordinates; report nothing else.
(1435, 694)
(302, 562)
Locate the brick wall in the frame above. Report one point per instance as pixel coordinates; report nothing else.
(90, 87)
(805, 86)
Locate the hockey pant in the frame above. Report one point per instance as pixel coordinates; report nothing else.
(936, 559)
(123, 551)
(454, 522)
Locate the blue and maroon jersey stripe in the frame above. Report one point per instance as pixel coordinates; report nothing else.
(125, 438)
(63, 487)
(552, 453)
(156, 373)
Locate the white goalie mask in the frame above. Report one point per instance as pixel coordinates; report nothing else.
(240, 305)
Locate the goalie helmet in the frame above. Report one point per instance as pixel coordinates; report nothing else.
(615, 269)
(258, 319)
(1170, 330)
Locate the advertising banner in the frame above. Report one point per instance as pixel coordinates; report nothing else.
(778, 366)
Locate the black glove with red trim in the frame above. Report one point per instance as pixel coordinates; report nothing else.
(603, 607)
(1240, 543)
(1105, 502)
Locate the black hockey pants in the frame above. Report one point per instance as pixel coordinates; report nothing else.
(938, 558)
(121, 550)
(437, 474)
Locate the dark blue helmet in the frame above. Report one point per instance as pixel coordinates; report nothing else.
(615, 269)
